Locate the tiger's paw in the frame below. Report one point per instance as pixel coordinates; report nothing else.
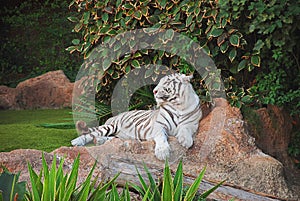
(185, 140)
(78, 141)
(162, 152)
(101, 140)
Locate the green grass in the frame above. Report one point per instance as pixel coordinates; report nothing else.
(20, 130)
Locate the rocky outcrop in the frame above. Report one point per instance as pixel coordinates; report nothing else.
(7, 98)
(222, 145)
(275, 135)
(50, 90)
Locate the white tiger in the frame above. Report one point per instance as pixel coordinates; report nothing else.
(178, 115)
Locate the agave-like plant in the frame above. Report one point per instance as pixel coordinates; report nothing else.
(172, 188)
(53, 185)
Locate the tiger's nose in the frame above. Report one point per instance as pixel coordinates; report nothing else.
(154, 91)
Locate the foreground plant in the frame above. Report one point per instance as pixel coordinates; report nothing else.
(172, 188)
(10, 188)
(53, 185)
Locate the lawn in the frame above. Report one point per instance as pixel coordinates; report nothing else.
(21, 130)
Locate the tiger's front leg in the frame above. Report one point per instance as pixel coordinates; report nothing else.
(162, 148)
(185, 136)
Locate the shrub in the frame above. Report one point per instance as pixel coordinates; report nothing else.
(202, 21)
(272, 30)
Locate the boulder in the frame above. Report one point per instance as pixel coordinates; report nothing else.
(7, 97)
(222, 145)
(275, 135)
(50, 90)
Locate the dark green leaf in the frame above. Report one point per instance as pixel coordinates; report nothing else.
(242, 65)
(246, 99)
(135, 63)
(224, 47)
(162, 3)
(255, 60)
(73, 19)
(234, 40)
(78, 27)
(224, 22)
(71, 49)
(10, 187)
(105, 17)
(128, 6)
(127, 69)
(86, 17)
(258, 45)
(115, 75)
(232, 54)
(104, 29)
(112, 32)
(189, 20)
(169, 34)
(106, 63)
(75, 41)
(138, 15)
(215, 32)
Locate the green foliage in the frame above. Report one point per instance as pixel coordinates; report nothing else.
(33, 40)
(294, 148)
(272, 30)
(10, 188)
(51, 183)
(172, 188)
(273, 88)
(202, 21)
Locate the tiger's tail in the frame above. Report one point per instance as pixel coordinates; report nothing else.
(97, 135)
(82, 128)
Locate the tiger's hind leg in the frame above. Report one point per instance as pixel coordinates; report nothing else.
(101, 140)
(98, 135)
(185, 136)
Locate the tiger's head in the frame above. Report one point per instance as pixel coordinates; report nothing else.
(174, 89)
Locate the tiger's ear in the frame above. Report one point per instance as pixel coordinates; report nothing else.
(81, 127)
(186, 78)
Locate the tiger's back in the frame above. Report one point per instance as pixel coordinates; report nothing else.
(136, 124)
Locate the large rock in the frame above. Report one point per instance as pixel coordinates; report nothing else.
(7, 98)
(275, 134)
(50, 90)
(222, 145)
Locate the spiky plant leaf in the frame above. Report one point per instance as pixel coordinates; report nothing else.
(178, 182)
(167, 189)
(153, 185)
(208, 192)
(190, 194)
